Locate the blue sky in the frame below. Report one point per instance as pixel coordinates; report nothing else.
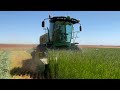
(24, 27)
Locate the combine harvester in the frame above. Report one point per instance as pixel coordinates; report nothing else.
(58, 36)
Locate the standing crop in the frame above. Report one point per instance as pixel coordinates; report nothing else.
(92, 63)
(4, 65)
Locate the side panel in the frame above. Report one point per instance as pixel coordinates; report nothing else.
(44, 38)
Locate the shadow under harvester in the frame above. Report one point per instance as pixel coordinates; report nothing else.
(29, 68)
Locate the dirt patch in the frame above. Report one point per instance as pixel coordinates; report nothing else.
(27, 46)
(17, 46)
(98, 46)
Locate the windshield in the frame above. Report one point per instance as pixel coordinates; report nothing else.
(63, 31)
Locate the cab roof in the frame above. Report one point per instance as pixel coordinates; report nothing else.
(66, 19)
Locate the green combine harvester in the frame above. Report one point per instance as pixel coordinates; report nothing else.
(58, 36)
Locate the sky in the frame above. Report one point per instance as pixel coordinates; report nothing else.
(24, 27)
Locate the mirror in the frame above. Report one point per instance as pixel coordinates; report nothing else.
(80, 28)
(43, 24)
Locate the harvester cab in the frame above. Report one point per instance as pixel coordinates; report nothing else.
(60, 32)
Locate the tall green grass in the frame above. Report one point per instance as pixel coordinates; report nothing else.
(90, 64)
(4, 64)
